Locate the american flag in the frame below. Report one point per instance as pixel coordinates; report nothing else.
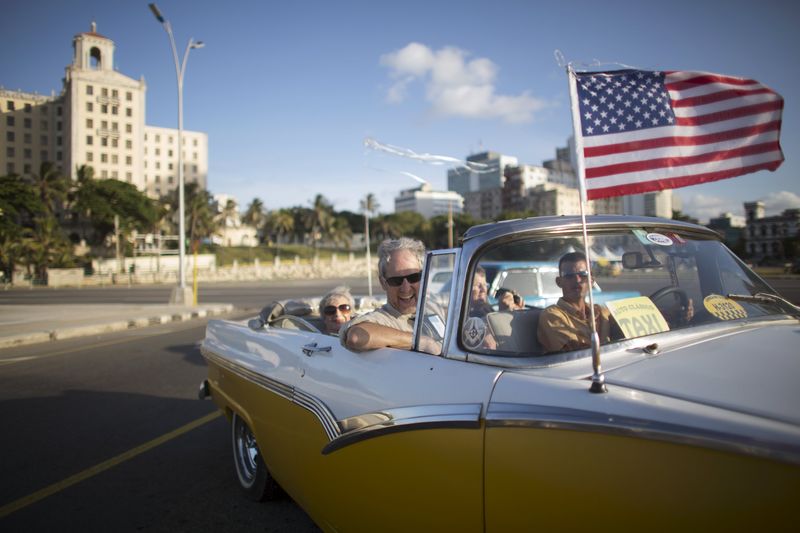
(647, 131)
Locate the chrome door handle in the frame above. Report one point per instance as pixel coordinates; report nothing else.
(312, 348)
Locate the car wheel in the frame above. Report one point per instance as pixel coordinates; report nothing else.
(252, 473)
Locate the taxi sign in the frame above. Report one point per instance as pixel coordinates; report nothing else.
(637, 316)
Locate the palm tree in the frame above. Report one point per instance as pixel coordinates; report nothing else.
(340, 231)
(318, 219)
(230, 214)
(256, 217)
(282, 223)
(51, 186)
(369, 205)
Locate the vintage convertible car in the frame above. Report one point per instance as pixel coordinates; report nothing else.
(688, 418)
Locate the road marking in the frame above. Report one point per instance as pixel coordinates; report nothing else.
(101, 467)
(135, 335)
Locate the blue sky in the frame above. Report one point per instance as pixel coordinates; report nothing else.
(288, 91)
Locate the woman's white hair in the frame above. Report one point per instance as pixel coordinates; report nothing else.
(390, 246)
(340, 291)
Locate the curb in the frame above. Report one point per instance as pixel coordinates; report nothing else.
(107, 327)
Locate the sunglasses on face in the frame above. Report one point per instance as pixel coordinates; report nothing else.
(396, 281)
(573, 275)
(330, 310)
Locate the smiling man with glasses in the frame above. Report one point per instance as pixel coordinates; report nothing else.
(399, 268)
(565, 325)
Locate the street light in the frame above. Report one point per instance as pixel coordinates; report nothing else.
(179, 296)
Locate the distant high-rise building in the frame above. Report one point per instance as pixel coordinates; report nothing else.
(765, 236)
(98, 120)
(488, 173)
(427, 202)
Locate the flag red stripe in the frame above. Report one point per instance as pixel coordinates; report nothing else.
(719, 97)
(705, 79)
(674, 183)
(662, 142)
(664, 162)
(729, 114)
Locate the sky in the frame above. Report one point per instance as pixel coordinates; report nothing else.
(289, 91)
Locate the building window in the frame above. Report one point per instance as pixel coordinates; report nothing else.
(128, 177)
(128, 112)
(114, 159)
(114, 174)
(10, 105)
(104, 108)
(58, 125)
(114, 126)
(58, 111)
(128, 128)
(27, 153)
(104, 158)
(44, 124)
(28, 108)
(43, 156)
(89, 156)
(169, 166)
(89, 90)
(158, 165)
(194, 142)
(158, 138)
(169, 180)
(113, 110)
(129, 96)
(10, 136)
(158, 179)
(10, 168)
(27, 138)
(128, 160)
(9, 120)
(128, 144)
(103, 141)
(104, 174)
(89, 140)
(114, 142)
(89, 123)
(10, 151)
(158, 151)
(26, 168)
(58, 141)
(170, 139)
(43, 139)
(104, 124)
(43, 109)
(170, 153)
(104, 90)
(89, 107)
(27, 122)
(58, 156)
(114, 93)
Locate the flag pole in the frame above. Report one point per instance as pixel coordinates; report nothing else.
(598, 379)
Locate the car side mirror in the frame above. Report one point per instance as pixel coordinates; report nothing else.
(632, 260)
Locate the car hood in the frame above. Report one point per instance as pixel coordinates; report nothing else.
(753, 369)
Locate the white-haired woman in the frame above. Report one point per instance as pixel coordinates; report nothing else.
(336, 308)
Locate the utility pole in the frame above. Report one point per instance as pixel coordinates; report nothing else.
(116, 234)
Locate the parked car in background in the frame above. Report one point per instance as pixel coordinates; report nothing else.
(698, 427)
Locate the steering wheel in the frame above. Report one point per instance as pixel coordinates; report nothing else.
(683, 299)
(666, 291)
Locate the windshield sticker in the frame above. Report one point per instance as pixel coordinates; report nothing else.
(637, 316)
(641, 235)
(677, 238)
(723, 308)
(474, 332)
(659, 239)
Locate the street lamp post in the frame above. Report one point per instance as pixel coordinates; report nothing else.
(181, 295)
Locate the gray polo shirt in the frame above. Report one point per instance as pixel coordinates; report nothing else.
(384, 316)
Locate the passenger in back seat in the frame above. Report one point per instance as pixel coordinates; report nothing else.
(336, 308)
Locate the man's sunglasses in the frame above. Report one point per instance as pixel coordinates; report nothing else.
(330, 310)
(396, 281)
(573, 275)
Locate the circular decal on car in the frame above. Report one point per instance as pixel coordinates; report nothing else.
(474, 332)
(723, 308)
(659, 239)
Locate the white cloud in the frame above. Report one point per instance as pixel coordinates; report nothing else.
(704, 207)
(455, 85)
(777, 202)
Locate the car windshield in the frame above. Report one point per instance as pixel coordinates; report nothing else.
(647, 281)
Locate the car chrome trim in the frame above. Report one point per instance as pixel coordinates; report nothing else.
(551, 417)
(369, 425)
(297, 397)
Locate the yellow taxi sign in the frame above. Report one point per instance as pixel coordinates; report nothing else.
(637, 316)
(723, 308)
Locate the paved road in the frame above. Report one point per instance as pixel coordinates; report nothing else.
(76, 412)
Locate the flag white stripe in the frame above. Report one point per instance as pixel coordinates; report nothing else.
(680, 151)
(681, 171)
(723, 105)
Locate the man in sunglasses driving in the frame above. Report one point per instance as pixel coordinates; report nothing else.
(565, 325)
(400, 270)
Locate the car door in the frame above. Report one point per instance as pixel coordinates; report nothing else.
(379, 430)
